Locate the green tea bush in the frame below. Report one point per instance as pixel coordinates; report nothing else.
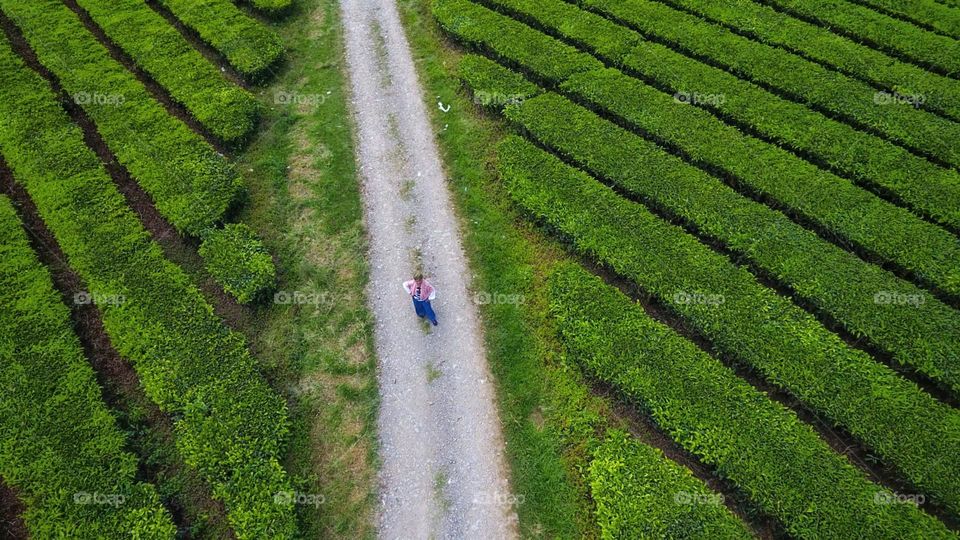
(853, 215)
(271, 7)
(59, 445)
(476, 25)
(804, 81)
(239, 262)
(905, 426)
(895, 315)
(493, 85)
(229, 424)
(768, 25)
(228, 111)
(928, 13)
(249, 46)
(931, 190)
(190, 183)
(772, 457)
(899, 38)
(639, 493)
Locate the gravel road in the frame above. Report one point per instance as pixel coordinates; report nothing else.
(443, 473)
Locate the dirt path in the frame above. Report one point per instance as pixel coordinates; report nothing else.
(443, 473)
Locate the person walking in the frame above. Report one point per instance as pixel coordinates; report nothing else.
(422, 293)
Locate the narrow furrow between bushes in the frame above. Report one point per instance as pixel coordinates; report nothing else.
(12, 526)
(122, 393)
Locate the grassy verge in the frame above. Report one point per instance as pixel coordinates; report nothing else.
(314, 338)
(550, 420)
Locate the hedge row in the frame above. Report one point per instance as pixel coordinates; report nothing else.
(475, 25)
(770, 26)
(59, 445)
(190, 183)
(920, 331)
(249, 46)
(850, 213)
(239, 262)
(639, 493)
(927, 13)
(228, 111)
(853, 214)
(271, 7)
(879, 31)
(491, 84)
(905, 426)
(804, 81)
(771, 456)
(230, 426)
(933, 190)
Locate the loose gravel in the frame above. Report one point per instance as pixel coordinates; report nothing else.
(443, 473)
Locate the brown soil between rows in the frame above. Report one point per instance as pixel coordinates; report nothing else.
(12, 526)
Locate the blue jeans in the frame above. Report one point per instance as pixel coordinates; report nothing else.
(424, 309)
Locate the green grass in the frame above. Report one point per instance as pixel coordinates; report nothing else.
(433, 373)
(304, 203)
